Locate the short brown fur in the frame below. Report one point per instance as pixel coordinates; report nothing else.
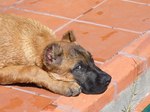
(23, 44)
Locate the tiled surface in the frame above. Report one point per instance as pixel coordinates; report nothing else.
(85, 103)
(116, 32)
(141, 1)
(70, 9)
(117, 67)
(121, 14)
(7, 2)
(104, 39)
(17, 101)
(140, 48)
(52, 22)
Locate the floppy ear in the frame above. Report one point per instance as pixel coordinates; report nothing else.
(69, 37)
(53, 55)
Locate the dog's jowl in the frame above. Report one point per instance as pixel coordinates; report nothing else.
(30, 53)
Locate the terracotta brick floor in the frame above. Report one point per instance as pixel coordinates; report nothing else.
(116, 32)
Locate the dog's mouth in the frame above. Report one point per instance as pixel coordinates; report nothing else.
(96, 86)
(94, 90)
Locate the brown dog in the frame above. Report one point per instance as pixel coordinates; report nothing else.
(30, 53)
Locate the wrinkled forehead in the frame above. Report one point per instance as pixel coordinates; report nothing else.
(75, 51)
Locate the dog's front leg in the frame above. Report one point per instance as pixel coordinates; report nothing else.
(33, 74)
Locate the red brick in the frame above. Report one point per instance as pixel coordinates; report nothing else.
(51, 22)
(17, 101)
(141, 47)
(84, 103)
(123, 70)
(40, 91)
(7, 2)
(69, 8)
(4, 90)
(115, 13)
(142, 1)
(103, 43)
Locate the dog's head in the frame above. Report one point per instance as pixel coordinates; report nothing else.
(73, 63)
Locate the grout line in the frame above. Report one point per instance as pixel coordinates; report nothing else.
(13, 5)
(127, 30)
(145, 67)
(115, 89)
(30, 92)
(135, 40)
(140, 3)
(71, 21)
(18, 2)
(92, 23)
(100, 4)
(94, 7)
(61, 27)
(121, 51)
(75, 20)
(66, 108)
(107, 26)
(132, 55)
(87, 11)
(42, 13)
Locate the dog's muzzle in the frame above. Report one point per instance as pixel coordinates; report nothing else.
(96, 86)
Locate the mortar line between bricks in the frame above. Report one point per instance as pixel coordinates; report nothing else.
(64, 25)
(140, 36)
(140, 3)
(115, 89)
(66, 108)
(127, 30)
(107, 26)
(75, 20)
(101, 3)
(132, 55)
(30, 92)
(135, 56)
(13, 5)
(18, 2)
(42, 13)
(145, 61)
(135, 40)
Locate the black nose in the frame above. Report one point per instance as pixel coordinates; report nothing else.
(106, 79)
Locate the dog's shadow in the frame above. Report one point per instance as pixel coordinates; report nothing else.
(24, 85)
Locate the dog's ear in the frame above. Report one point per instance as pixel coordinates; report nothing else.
(53, 55)
(69, 36)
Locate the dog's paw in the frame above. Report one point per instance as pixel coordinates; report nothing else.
(66, 88)
(73, 90)
(70, 89)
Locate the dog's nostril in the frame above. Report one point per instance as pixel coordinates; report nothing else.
(106, 80)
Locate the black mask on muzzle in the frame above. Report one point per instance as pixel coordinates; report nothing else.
(91, 79)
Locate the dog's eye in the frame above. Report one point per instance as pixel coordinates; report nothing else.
(78, 67)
